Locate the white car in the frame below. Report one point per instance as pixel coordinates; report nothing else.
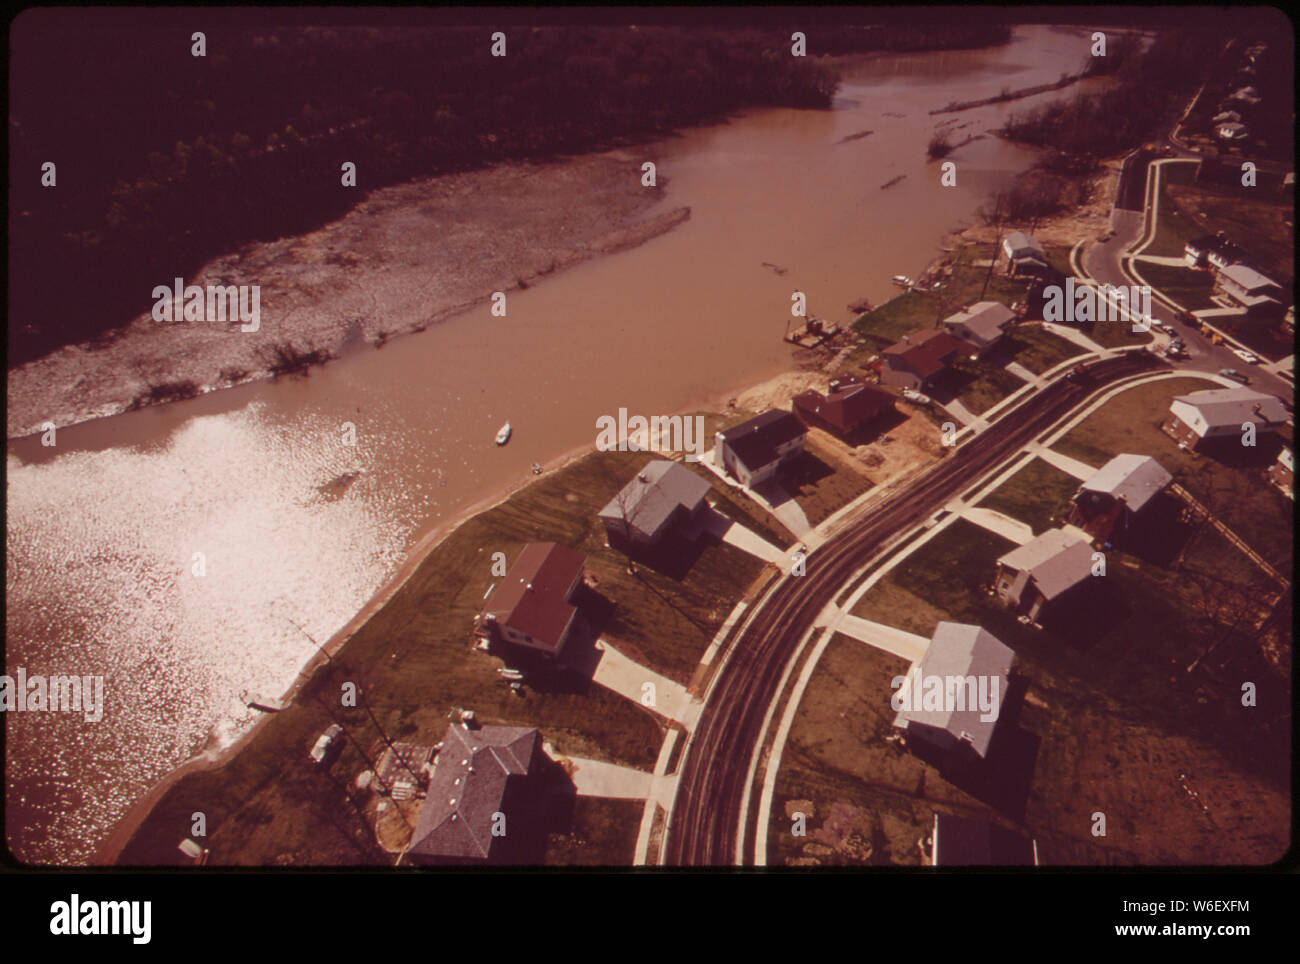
(1248, 357)
(322, 747)
(915, 396)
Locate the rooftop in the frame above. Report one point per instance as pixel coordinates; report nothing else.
(654, 493)
(1136, 479)
(1233, 406)
(530, 599)
(755, 441)
(1057, 560)
(468, 787)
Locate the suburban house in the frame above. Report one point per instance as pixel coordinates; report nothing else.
(1226, 117)
(1282, 472)
(982, 324)
(1244, 287)
(1246, 95)
(531, 607)
(1024, 254)
(917, 360)
(1196, 252)
(965, 655)
(1225, 254)
(963, 842)
(1038, 574)
(849, 404)
(664, 495)
(1220, 412)
(753, 451)
(479, 795)
(1114, 495)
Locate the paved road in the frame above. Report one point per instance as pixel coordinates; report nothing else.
(1103, 261)
(714, 771)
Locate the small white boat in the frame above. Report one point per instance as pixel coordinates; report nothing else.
(503, 436)
(902, 280)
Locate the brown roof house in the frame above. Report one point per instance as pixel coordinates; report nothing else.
(662, 496)
(532, 606)
(917, 360)
(1220, 413)
(850, 404)
(481, 800)
(753, 451)
(963, 842)
(1115, 494)
(982, 324)
(954, 694)
(1040, 573)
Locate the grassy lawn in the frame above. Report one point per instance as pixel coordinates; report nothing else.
(1109, 721)
(602, 834)
(912, 311)
(1038, 495)
(1174, 228)
(899, 316)
(1189, 287)
(1265, 338)
(1036, 349)
(1131, 421)
(1255, 217)
(1114, 334)
(982, 383)
(415, 662)
(1058, 256)
(821, 483)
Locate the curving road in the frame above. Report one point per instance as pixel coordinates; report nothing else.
(702, 828)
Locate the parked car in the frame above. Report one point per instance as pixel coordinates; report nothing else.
(1250, 358)
(915, 396)
(324, 743)
(1235, 375)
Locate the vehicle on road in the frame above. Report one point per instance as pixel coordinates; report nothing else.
(1235, 375)
(1250, 358)
(325, 743)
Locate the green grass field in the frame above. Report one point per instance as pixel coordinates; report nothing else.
(1038, 495)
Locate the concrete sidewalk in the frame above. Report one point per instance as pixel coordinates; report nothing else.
(1076, 336)
(1023, 373)
(1005, 526)
(908, 646)
(788, 512)
(1080, 470)
(734, 534)
(627, 678)
(964, 415)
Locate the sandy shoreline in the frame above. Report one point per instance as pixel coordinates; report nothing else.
(404, 258)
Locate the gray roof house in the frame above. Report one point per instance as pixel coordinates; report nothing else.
(1220, 412)
(660, 496)
(1023, 252)
(1116, 493)
(982, 323)
(1042, 571)
(481, 775)
(965, 654)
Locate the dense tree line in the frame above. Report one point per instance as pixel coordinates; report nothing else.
(1146, 88)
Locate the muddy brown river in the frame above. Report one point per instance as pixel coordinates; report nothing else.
(296, 527)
